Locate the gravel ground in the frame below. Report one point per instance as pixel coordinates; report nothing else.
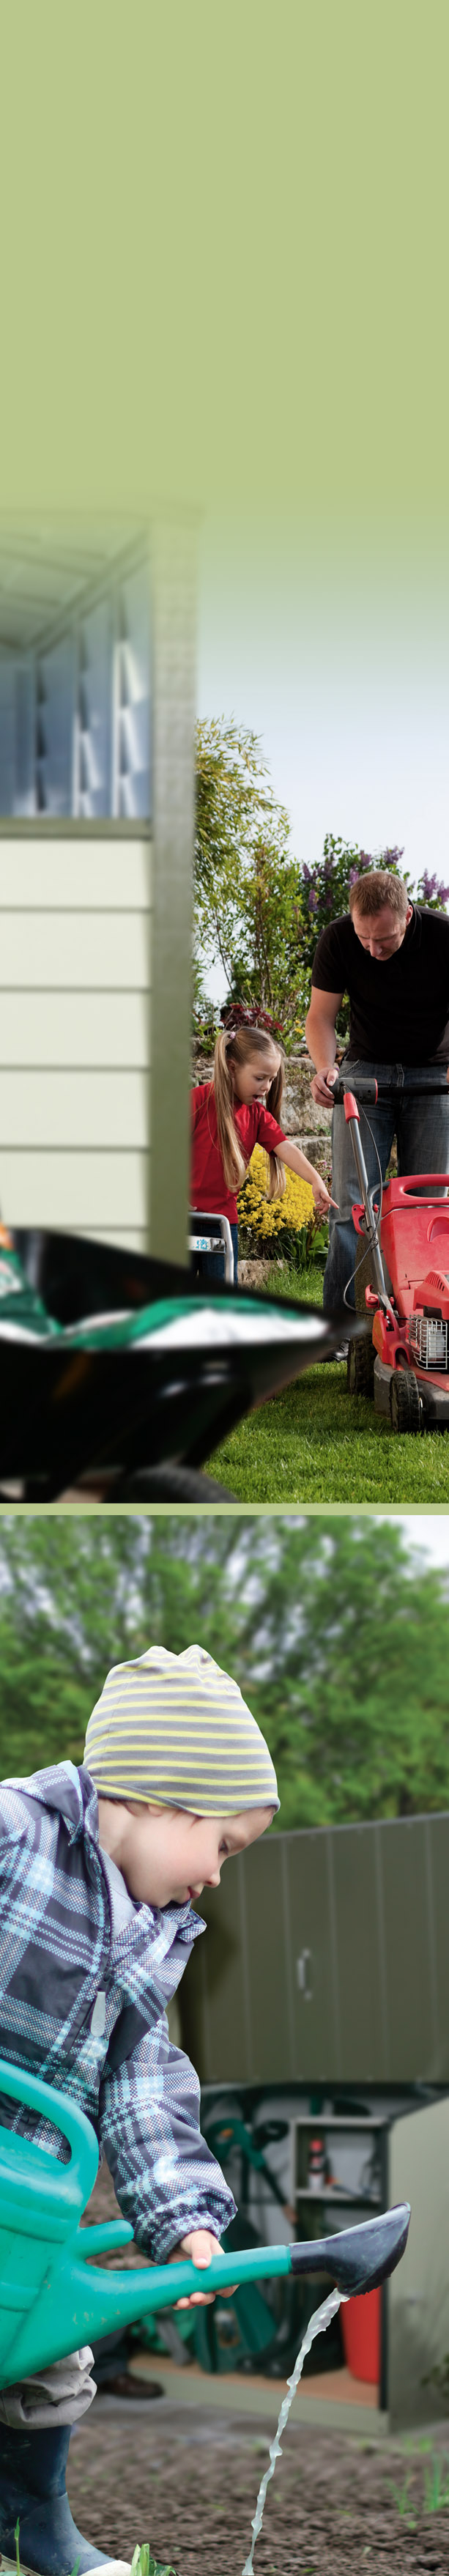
(162, 2473)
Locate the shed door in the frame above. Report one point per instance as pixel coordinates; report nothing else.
(311, 1963)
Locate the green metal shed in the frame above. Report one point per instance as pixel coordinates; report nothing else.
(327, 1959)
(322, 1986)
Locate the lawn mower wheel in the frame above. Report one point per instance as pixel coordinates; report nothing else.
(361, 1367)
(405, 1404)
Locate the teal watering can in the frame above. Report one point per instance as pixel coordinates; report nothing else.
(50, 2302)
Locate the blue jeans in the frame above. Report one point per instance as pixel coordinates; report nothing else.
(421, 1129)
(211, 1265)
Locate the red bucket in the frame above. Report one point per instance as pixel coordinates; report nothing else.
(360, 2320)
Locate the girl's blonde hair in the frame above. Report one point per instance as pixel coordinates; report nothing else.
(236, 1046)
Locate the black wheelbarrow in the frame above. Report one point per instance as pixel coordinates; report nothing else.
(137, 1417)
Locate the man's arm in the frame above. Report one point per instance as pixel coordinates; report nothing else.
(320, 1033)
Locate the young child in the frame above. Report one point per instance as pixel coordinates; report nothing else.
(99, 1865)
(230, 1115)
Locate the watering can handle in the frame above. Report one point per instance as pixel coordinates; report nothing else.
(52, 2105)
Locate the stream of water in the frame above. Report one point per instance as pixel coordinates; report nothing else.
(317, 2325)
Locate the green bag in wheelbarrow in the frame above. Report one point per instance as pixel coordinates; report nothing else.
(140, 1373)
(53, 2300)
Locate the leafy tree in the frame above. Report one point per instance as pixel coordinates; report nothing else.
(337, 1635)
(247, 902)
(257, 911)
(77, 1596)
(354, 1702)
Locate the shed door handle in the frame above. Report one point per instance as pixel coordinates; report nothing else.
(304, 1975)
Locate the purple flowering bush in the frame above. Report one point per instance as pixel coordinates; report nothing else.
(326, 887)
(432, 892)
(325, 891)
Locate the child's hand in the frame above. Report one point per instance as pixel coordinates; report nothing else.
(321, 1196)
(201, 2247)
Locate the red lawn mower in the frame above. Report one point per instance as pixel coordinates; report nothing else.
(401, 1283)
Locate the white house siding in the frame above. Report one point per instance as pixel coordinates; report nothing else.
(75, 977)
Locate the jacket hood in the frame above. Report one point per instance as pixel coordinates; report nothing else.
(68, 1789)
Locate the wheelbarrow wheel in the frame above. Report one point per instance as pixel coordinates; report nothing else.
(361, 1367)
(169, 1485)
(405, 1406)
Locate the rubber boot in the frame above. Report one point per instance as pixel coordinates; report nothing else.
(33, 2492)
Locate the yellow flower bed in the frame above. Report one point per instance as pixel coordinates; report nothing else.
(268, 1216)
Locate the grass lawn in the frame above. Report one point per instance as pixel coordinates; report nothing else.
(316, 1444)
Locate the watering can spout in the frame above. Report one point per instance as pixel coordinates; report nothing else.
(359, 2258)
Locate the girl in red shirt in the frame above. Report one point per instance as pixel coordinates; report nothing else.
(230, 1115)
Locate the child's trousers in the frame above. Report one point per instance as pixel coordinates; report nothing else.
(58, 2395)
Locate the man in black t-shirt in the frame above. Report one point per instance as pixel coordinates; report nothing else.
(392, 957)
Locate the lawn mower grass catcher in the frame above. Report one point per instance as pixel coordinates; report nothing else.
(401, 1283)
(53, 2300)
(130, 1371)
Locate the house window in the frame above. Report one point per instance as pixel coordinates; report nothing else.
(74, 675)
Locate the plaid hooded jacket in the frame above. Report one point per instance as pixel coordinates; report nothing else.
(84, 2008)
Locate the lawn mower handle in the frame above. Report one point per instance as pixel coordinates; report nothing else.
(367, 1090)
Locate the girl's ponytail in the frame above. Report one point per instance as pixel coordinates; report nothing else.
(276, 1171)
(233, 1160)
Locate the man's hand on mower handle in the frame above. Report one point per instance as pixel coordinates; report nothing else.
(200, 2248)
(322, 1086)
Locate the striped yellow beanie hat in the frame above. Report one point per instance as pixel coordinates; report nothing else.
(174, 1731)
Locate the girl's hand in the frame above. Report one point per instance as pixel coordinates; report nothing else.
(321, 1196)
(200, 2247)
